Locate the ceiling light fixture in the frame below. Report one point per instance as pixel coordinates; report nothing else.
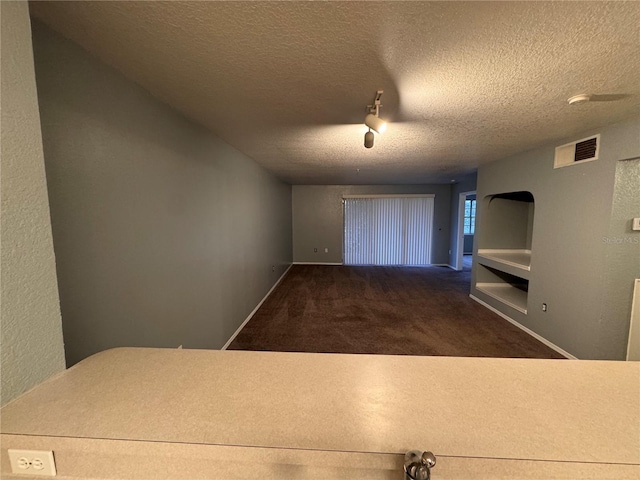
(373, 121)
(368, 139)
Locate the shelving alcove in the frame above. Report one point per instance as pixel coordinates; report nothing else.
(504, 248)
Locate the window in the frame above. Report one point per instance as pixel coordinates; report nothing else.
(388, 230)
(469, 217)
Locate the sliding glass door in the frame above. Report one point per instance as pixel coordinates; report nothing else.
(388, 230)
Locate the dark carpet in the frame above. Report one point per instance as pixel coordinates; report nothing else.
(382, 310)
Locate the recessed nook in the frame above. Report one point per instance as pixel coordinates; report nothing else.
(504, 248)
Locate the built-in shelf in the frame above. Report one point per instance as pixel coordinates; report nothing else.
(506, 293)
(503, 258)
(513, 261)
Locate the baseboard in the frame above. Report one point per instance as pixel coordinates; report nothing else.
(428, 265)
(445, 265)
(246, 320)
(525, 329)
(315, 263)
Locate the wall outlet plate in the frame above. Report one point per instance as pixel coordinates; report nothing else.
(32, 462)
(635, 224)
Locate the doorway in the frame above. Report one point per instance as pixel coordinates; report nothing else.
(466, 227)
(388, 230)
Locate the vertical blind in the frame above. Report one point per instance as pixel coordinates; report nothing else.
(388, 230)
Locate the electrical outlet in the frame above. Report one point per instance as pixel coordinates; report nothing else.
(273, 268)
(32, 462)
(326, 250)
(544, 307)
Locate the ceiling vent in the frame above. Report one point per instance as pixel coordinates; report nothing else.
(584, 150)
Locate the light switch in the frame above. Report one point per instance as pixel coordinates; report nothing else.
(636, 223)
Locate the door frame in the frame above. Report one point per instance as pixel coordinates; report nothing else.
(460, 247)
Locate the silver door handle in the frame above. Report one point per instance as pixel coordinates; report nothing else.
(418, 465)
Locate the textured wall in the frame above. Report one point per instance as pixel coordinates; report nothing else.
(31, 342)
(622, 244)
(569, 264)
(164, 234)
(318, 220)
(287, 82)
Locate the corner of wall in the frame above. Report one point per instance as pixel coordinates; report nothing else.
(31, 339)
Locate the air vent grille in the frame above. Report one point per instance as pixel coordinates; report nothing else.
(586, 150)
(580, 151)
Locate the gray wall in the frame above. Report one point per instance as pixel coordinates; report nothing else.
(505, 223)
(622, 245)
(570, 264)
(467, 184)
(318, 221)
(164, 234)
(31, 346)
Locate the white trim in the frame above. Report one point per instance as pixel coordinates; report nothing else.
(522, 327)
(391, 195)
(557, 164)
(246, 320)
(340, 264)
(315, 263)
(633, 353)
(579, 161)
(462, 196)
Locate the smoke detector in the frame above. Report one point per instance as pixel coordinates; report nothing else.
(577, 99)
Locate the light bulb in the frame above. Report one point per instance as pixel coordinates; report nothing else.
(368, 139)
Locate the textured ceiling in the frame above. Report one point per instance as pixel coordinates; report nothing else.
(287, 82)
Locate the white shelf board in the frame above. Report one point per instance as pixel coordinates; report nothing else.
(513, 261)
(505, 293)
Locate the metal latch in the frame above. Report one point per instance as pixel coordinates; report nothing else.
(418, 465)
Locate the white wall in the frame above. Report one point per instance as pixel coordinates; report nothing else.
(31, 333)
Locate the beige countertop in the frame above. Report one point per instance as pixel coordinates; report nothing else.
(556, 410)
